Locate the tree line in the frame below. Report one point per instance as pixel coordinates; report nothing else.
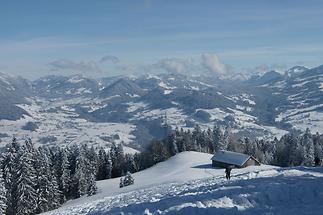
(290, 150)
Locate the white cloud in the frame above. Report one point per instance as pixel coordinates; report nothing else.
(110, 59)
(94, 66)
(212, 63)
(206, 64)
(174, 65)
(65, 64)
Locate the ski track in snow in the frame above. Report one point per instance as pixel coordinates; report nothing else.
(254, 190)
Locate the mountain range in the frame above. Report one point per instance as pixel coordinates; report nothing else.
(133, 110)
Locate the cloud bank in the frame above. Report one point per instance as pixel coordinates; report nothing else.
(204, 64)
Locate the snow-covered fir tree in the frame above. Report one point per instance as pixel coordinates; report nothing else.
(63, 175)
(130, 163)
(10, 175)
(307, 150)
(84, 177)
(80, 179)
(26, 182)
(108, 165)
(48, 193)
(3, 197)
(218, 140)
(102, 165)
(117, 158)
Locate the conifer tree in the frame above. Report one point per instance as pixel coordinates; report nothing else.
(108, 166)
(118, 161)
(80, 180)
(308, 149)
(92, 188)
(130, 163)
(10, 175)
(26, 182)
(218, 141)
(64, 177)
(3, 197)
(48, 193)
(84, 177)
(102, 164)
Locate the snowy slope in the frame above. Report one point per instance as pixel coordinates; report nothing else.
(186, 184)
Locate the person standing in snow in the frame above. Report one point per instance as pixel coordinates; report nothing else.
(228, 173)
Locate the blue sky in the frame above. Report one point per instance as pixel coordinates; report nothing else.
(103, 37)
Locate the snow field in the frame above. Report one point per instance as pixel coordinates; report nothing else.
(187, 184)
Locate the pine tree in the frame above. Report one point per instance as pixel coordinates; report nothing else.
(118, 161)
(10, 175)
(64, 176)
(102, 165)
(250, 147)
(108, 166)
(113, 156)
(92, 159)
(158, 151)
(226, 139)
(209, 141)
(130, 163)
(92, 188)
(84, 177)
(294, 150)
(280, 157)
(218, 139)
(48, 193)
(73, 153)
(3, 197)
(308, 149)
(197, 140)
(80, 179)
(26, 193)
(318, 149)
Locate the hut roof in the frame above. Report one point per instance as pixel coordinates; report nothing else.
(229, 157)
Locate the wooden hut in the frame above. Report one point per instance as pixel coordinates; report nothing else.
(225, 159)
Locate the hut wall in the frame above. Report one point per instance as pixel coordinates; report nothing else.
(250, 162)
(221, 164)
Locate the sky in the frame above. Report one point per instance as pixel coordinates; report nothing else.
(104, 37)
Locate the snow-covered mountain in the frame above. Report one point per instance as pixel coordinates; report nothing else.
(187, 184)
(303, 99)
(13, 90)
(65, 87)
(59, 109)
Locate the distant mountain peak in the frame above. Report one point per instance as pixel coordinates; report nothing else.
(295, 70)
(122, 86)
(267, 78)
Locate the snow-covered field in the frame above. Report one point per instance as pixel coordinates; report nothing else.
(187, 184)
(302, 118)
(65, 126)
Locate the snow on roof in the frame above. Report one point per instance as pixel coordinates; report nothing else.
(230, 157)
